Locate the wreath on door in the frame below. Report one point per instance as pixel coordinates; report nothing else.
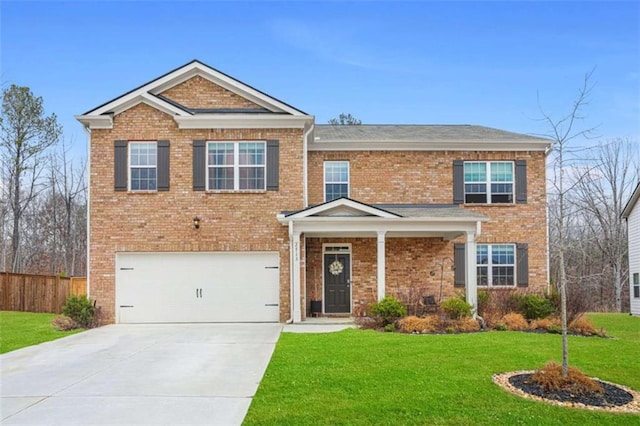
(336, 267)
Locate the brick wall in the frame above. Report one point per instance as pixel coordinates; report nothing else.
(198, 92)
(162, 221)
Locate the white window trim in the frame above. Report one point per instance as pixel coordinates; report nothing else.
(326, 182)
(635, 283)
(129, 166)
(488, 182)
(236, 166)
(490, 266)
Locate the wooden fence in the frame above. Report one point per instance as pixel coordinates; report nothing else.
(37, 293)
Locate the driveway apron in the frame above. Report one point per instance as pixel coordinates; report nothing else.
(177, 374)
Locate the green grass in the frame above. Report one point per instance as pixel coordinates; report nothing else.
(20, 329)
(357, 377)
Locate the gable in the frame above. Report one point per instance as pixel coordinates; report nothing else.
(200, 93)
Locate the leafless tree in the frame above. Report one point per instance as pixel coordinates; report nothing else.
(25, 135)
(563, 131)
(604, 184)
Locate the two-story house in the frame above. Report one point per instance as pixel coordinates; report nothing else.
(211, 201)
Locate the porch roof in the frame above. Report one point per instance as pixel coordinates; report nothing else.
(346, 217)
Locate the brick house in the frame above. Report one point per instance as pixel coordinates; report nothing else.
(212, 201)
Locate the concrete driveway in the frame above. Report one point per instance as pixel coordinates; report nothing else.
(178, 374)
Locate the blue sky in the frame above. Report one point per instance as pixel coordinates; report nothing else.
(385, 62)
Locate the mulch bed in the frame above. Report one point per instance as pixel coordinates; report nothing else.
(615, 398)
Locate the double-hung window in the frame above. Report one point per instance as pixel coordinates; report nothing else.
(143, 166)
(236, 166)
(488, 182)
(495, 265)
(336, 180)
(636, 285)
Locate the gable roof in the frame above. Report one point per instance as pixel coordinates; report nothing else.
(270, 108)
(422, 137)
(626, 212)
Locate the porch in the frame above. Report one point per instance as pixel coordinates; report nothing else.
(359, 253)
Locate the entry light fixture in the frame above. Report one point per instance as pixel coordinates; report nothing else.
(196, 222)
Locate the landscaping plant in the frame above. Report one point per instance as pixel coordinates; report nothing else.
(80, 309)
(456, 308)
(388, 310)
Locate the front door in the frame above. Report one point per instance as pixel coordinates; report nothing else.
(337, 283)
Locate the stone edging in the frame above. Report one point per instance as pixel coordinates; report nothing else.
(502, 380)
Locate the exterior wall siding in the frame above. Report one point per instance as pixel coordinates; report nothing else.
(633, 223)
(162, 221)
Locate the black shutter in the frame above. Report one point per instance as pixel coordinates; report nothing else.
(163, 165)
(459, 257)
(199, 165)
(522, 270)
(273, 165)
(120, 165)
(521, 181)
(458, 182)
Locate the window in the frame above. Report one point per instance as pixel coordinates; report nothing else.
(636, 285)
(336, 180)
(488, 182)
(495, 265)
(236, 166)
(143, 160)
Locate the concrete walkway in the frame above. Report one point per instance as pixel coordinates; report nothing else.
(165, 374)
(320, 325)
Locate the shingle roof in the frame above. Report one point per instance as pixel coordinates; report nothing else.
(430, 210)
(417, 133)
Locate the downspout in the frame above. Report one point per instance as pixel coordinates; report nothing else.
(87, 268)
(305, 145)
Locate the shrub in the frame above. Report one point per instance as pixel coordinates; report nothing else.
(456, 308)
(515, 322)
(367, 323)
(62, 323)
(413, 324)
(80, 309)
(388, 310)
(555, 329)
(534, 307)
(465, 325)
(583, 326)
(390, 328)
(551, 380)
(500, 327)
(544, 324)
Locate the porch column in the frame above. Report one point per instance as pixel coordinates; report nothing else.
(471, 271)
(295, 303)
(381, 265)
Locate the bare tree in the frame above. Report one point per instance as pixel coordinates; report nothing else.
(563, 131)
(345, 119)
(25, 135)
(603, 187)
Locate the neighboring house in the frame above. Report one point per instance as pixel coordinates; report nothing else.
(213, 201)
(632, 214)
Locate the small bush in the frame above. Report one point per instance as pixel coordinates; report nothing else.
(413, 324)
(390, 328)
(544, 324)
(583, 326)
(554, 329)
(388, 310)
(500, 327)
(456, 308)
(515, 322)
(551, 380)
(367, 323)
(466, 325)
(62, 323)
(534, 307)
(80, 309)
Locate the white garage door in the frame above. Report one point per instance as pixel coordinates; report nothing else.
(197, 287)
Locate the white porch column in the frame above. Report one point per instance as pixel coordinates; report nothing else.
(381, 265)
(471, 271)
(297, 313)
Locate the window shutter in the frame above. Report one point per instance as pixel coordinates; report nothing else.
(273, 165)
(120, 165)
(521, 181)
(458, 264)
(458, 182)
(522, 256)
(163, 165)
(199, 165)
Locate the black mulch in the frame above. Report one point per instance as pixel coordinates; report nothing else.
(612, 395)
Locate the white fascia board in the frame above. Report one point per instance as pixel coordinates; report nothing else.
(479, 145)
(631, 203)
(242, 121)
(96, 121)
(342, 202)
(385, 225)
(153, 102)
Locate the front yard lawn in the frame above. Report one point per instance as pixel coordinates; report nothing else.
(20, 329)
(358, 377)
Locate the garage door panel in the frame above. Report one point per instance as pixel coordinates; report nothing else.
(197, 287)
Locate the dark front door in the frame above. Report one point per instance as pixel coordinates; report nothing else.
(337, 280)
